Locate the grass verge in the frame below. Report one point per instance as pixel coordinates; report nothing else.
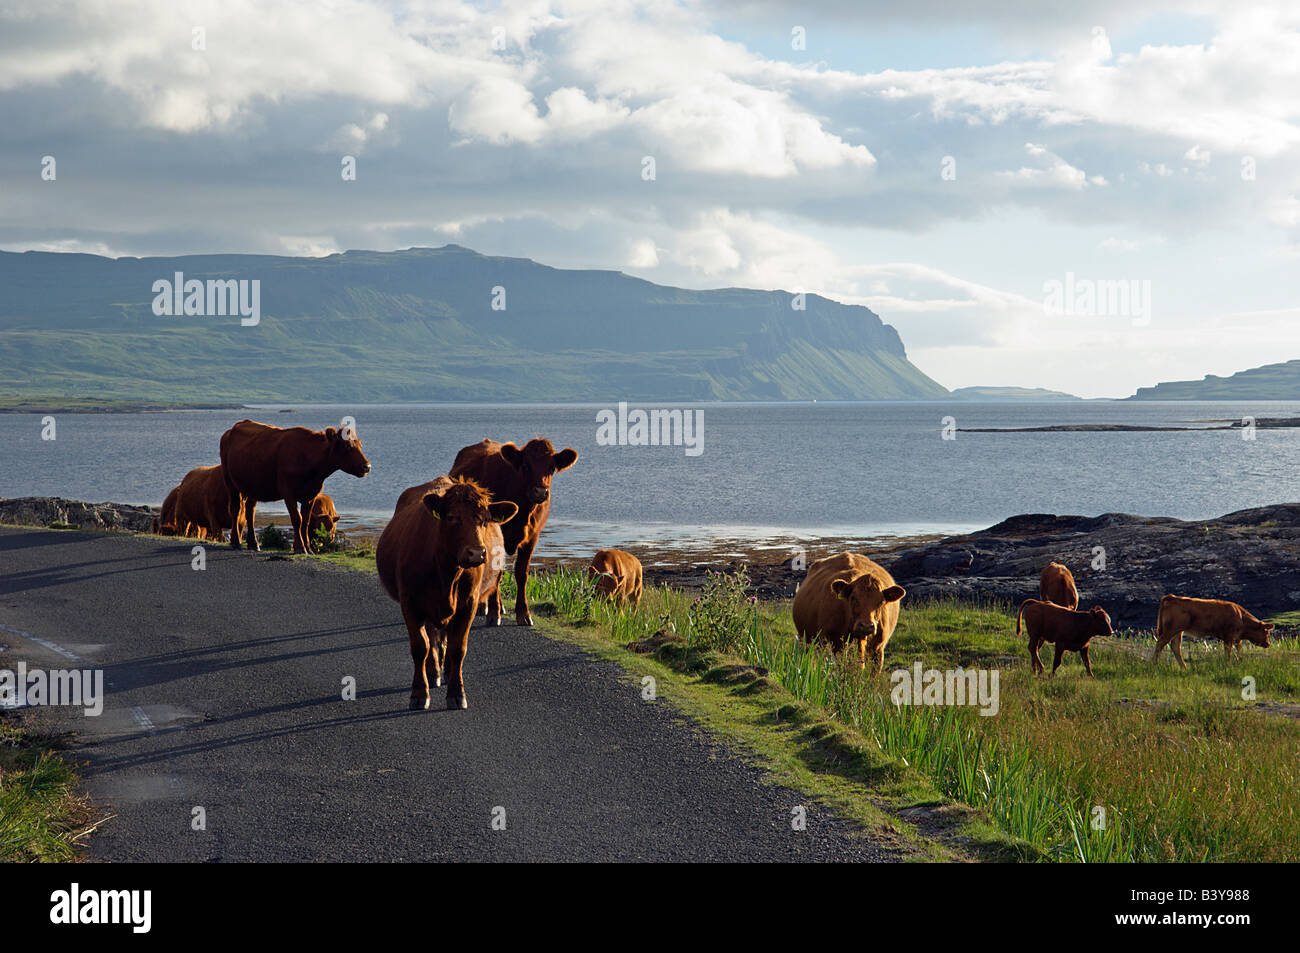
(41, 816)
(1142, 763)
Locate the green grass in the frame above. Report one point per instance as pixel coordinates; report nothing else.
(1183, 766)
(41, 817)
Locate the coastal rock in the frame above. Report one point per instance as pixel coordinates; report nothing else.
(56, 511)
(1124, 563)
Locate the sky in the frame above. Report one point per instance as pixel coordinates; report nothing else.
(969, 171)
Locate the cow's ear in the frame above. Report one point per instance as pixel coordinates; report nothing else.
(433, 503)
(331, 434)
(512, 455)
(1098, 610)
(502, 511)
(1268, 626)
(893, 593)
(840, 588)
(564, 459)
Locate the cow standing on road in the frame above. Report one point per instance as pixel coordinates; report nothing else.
(522, 476)
(439, 556)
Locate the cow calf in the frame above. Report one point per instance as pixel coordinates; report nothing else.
(1067, 629)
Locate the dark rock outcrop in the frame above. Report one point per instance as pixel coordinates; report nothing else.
(55, 511)
(1122, 562)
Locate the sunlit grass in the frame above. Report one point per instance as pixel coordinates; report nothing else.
(1180, 763)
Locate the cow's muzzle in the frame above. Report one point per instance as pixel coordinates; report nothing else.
(539, 494)
(472, 556)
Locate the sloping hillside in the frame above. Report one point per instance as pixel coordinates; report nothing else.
(419, 325)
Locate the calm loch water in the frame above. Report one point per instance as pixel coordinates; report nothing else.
(767, 471)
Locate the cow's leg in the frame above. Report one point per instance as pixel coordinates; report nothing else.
(236, 511)
(299, 526)
(437, 651)
(1162, 639)
(1177, 645)
(419, 656)
(1056, 659)
(522, 558)
(457, 643)
(862, 653)
(1087, 664)
(1034, 645)
(250, 517)
(876, 649)
(492, 606)
(304, 511)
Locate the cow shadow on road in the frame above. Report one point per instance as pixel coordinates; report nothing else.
(192, 662)
(98, 765)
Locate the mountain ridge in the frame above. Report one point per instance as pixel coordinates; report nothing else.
(419, 324)
(1280, 381)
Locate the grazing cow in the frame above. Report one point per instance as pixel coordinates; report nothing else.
(264, 463)
(848, 597)
(524, 478)
(164, 524)
(203, 504)
(1057, 585)
(441, 554)
(323, 517)
(1068, 630)
(617, 575)
(1210, 619)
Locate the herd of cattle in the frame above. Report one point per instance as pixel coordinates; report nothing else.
(442, 554)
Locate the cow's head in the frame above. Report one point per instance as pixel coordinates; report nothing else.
(324, 519)
(605, 583)
(535, 464)
(1257, 632)
(464, 510)
(1100, 622)
(867, 601)
(345, 452)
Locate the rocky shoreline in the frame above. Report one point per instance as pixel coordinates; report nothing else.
(1122, 562)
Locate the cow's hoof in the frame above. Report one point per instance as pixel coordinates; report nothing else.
(524, 619)
(419, 704)
(455, 702)
(494, 620)
(437, 682)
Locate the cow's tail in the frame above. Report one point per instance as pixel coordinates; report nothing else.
(1020, 612)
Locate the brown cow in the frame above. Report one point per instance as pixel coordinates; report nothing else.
(1068, 630)
(264, 463)
(164, 524)
(617, 575)
(203, 504)
(1057, 585)
(323, 517)
(441, 554)
(848, 597)
(1210, 619)
(524, 478)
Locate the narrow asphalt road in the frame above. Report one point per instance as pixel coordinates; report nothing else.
(225, 692)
